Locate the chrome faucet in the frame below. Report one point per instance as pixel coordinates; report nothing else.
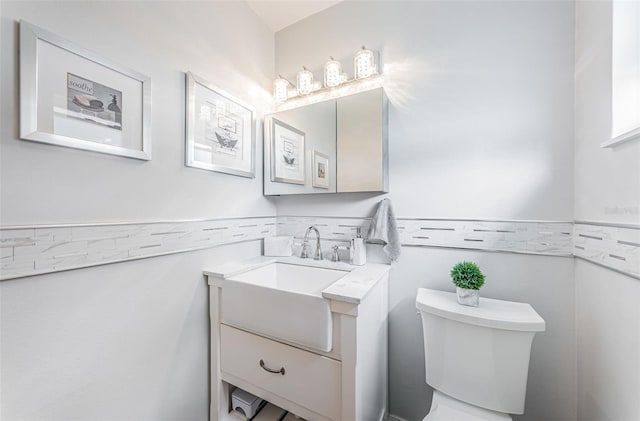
(305, 244)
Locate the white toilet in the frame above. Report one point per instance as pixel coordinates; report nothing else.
(476, 358)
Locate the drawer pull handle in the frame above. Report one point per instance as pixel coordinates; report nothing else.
(270, 370)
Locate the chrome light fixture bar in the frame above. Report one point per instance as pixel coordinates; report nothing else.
(347, 88)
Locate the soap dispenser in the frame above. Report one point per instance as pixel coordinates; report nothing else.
(357, 251)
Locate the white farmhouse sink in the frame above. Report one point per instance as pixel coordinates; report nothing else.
(283, 301)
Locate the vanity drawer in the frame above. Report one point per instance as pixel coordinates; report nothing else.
(309, 380)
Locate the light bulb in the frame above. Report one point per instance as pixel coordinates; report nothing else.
(280, 89)
(304, 81)
(364, 64)
(332, 73)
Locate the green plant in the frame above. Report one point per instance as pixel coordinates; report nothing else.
(467, 275)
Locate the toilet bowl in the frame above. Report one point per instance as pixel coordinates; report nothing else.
(476, 358)
(446, 408)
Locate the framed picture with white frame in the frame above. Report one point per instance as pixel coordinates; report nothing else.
(320, 176)
(72, 97)
(287, 153)
(220, 130)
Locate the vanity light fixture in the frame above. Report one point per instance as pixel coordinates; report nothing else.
(336, 82)
(304, 82)
(333, 73)
(364, 64)
(281, 89)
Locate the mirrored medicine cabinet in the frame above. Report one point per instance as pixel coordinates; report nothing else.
(335, 146)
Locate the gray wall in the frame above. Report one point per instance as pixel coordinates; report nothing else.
(130, 340)
(607, 190)
(480, 126)
(481, 103)
(608, 324)
(161, 40)
(607, 180)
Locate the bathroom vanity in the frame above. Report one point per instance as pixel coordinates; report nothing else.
(309, 336)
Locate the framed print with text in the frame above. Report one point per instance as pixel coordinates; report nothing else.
(73, 97)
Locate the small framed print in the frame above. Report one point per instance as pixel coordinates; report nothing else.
(320, 177)
(72, 97)
(220, 130)
(287, 153)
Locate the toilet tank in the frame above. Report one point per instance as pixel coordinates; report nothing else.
(479, 355)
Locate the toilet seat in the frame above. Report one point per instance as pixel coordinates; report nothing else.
(446, 408)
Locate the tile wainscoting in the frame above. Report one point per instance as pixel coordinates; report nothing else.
(530, 237)
(28, 251)
(613, 246)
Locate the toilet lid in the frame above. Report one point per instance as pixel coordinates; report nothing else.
(497, 314)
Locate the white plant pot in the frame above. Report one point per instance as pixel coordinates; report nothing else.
(468, 297)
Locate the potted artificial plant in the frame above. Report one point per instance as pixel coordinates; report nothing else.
(468, 279)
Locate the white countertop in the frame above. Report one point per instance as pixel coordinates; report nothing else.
(351, 288)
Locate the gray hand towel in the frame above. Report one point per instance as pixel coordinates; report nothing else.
(383, 230)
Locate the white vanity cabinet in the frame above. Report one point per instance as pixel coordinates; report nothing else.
(347, 382)
(307, 379)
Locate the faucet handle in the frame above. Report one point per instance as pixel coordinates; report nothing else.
(335, 256)
(304, 254)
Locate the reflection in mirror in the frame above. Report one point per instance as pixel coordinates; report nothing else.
(362, 151)
(335, 146)
(292, 138)
(287, 153)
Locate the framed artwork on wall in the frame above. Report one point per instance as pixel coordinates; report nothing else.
(320, 176)
(287, 153)
(220, 130)
(73, 97)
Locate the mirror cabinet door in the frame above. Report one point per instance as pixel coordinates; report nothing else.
(362, 147)
(333, 146)
(300, 150)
